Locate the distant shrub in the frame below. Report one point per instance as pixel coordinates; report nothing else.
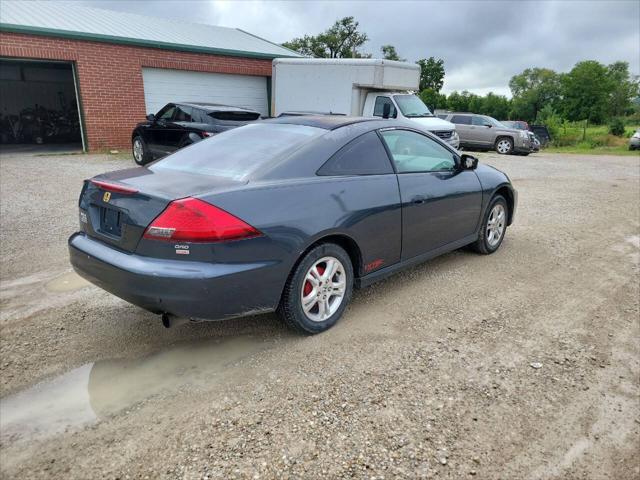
(616, 127)
(550, 119)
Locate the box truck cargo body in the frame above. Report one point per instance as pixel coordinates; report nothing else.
(357, 87)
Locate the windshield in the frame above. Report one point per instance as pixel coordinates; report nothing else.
(236, 153)
(412, 106)
(495, 122)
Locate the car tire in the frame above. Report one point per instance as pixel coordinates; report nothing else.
(140, 154)
(504, 146)
(309, 281)
(493, 228)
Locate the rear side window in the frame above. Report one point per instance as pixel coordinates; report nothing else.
(461, 119)
(237, 153)
(183, 114)
(363, 156)
(198, 116)
(234, 116)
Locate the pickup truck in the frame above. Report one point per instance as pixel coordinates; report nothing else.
(357, 87)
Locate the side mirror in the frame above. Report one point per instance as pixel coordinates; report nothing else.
(386, 110)
(468, 162)
(488, 125)
(151, 117)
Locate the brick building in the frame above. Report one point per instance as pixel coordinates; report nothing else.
(111, 68)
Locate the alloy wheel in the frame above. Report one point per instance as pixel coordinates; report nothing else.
(496, 224)
(138, 150)
(323, 289)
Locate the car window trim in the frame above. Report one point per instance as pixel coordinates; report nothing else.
(384, 145)
(430, 136)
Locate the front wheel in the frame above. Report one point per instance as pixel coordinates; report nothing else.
(504, 146)
(318, 290)
(493, 227)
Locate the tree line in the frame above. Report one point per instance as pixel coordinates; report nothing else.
(590, 91)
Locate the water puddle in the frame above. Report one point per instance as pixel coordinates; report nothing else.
(96, 390)
(67, 282)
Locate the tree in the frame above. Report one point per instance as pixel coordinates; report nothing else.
(624, 89)
(496, 106)
(532, 90)
(342, 40)
(389, 53)
(433, 99)
(458, 102)
(586, 92)
(431, 74)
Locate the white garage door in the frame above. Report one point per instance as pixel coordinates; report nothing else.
(162, 86)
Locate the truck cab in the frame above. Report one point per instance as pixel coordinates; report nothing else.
(409, 107)
(356, 87)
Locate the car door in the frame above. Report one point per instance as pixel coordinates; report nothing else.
(441, 203)
(181, 125)
(158, 132)
(464, 128)
(482, 131)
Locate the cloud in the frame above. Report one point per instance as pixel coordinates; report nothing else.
(483, 44)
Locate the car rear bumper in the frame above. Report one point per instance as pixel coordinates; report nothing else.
(198, 290)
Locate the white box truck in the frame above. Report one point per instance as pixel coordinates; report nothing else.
(358, 87)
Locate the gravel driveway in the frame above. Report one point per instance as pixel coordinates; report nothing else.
(523, 364)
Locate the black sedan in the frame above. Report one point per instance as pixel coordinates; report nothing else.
(177, 125)
(288, 215)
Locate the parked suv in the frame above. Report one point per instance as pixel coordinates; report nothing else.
(522, 125)
(177, 125)
(484, 132)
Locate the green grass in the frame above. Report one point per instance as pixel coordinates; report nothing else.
(589, 150)
(596, 140)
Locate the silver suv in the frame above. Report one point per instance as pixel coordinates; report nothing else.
(483, 132)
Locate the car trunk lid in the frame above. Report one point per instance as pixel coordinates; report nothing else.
(117, 207)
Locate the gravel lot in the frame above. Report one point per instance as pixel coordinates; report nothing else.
(523, 364)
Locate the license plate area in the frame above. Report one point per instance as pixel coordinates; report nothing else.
(110, 221)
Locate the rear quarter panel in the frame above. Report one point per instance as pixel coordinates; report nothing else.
(295, 214)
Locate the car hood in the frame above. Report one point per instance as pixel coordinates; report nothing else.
(432, 123)
(511, 131)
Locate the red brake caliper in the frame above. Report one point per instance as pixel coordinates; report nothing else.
(307, 285)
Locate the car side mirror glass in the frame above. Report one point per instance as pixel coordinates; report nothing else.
(151, 117)
(386, 110)
(468, 162)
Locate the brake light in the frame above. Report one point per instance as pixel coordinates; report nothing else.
(114, 187)
(208, 134)
(192, 220)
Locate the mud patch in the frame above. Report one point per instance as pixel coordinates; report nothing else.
(67, 282)
(97, 390)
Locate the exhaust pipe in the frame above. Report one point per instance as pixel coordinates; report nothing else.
(169, 320)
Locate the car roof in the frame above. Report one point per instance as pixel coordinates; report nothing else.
(217, 107)
(328, 122)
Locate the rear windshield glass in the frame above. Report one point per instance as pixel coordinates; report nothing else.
(237, 153)
(234, 116)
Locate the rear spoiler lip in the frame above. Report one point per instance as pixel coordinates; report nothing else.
(113, 187)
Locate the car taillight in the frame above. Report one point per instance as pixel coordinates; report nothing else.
(114, 187)
(208, 134)
(192, 220)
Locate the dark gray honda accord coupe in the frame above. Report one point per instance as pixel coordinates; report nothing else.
(286, 215)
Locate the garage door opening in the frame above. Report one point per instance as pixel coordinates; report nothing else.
(39, 107)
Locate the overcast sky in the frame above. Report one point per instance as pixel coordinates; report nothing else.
(483, 43)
